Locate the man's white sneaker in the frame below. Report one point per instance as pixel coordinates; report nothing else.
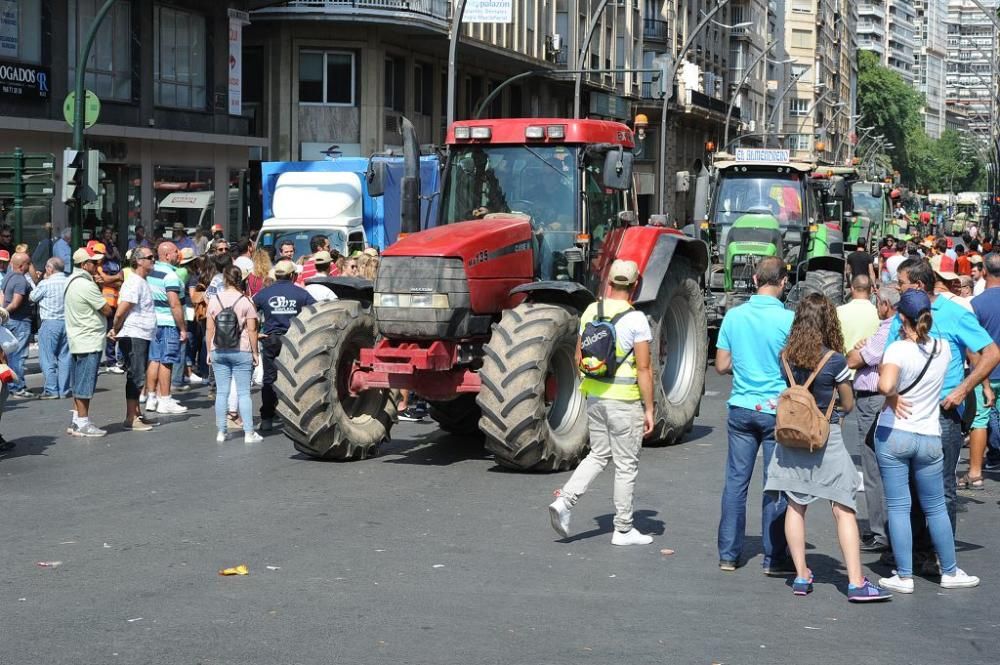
(959, 580)
(897, 584)
(631, 537)
(194, 379)
(559, 516)
(220, 437)
(170, 406)
(88, 430)
(152, 402)
(252, 437)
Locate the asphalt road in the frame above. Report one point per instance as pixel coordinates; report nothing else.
(428, 554)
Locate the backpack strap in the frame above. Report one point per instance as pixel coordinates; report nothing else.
(788, 370)
(600, 309)
(833, 402)
(819, 368)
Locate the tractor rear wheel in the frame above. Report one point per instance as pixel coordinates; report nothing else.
(322, 418)
(533, 413)
(679, 353)
(828, 282)
(457, 416)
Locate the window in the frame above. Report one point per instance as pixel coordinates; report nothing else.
(799, 70)
(21, 31)
(109, 67)
(179, 59)
(395, 84)
(798, 142)
(423, 88)
(798, 108)
(326, 77)
(802, 38)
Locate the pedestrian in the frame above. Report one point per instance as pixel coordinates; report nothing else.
(195, 315)
(109, 278)
(858, 317)
(7, 239)
(64, 250)
(351, 267)
(323, 261)
(16, 290)
(53, 345)
(886, 251)
(963, 266)
(244, 256)
(864, 357)
(941, 261)
(619, 408)
(978, 276)
(279, 303)
(260, 275)
(5, 445)
(750, 340)
(139, 240)
(181, 239)
(218, 233)
(179, 376)
(370, 269)
(232, 343)
(286, 251)
(962, 331)
(200, 241)
(133, 326)
(170, 333)
(318, 243)
(893, 262)
(986, 307)
(86, 313)
(802, 475)
(908, 441)
(859, 262)
(947, 285)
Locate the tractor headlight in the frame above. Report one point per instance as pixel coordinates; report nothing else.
(387, 300)
(426, 300)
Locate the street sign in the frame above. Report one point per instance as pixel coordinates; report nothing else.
(29, 188)
(91, 109)
(31, 162)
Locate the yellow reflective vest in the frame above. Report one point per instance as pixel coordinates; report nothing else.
(624, 385)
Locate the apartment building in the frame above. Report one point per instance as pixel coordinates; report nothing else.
(971, 78)
(888, 28)
(752, 44)
(166, 124)
(338, 73)
(929, 62)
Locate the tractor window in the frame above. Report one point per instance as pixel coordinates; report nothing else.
(603, 205)
(778, 195)
(871, 207)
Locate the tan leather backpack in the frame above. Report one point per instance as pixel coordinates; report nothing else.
(798, 421)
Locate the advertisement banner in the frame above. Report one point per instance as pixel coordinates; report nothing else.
(488, 11)
(10, 21)
(26, 81)
(237, 19)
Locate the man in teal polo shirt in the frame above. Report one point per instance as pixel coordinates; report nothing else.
(750, 341)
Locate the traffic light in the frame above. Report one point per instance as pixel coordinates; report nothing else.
(81, 175)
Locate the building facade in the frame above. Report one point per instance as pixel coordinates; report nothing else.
(971, 73)
(888, 28)
(165, 126)
(931, 55)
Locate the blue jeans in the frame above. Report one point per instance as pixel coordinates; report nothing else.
(748, 431)
(233, 365)
(22, 331)
(993, 440)
(899, 451)
(53, 356)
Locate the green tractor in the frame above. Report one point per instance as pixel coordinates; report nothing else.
(871, 201)
(763, 204)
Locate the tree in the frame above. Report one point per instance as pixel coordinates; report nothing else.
(891, 105)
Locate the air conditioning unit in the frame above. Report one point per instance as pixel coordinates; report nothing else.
(752, 126)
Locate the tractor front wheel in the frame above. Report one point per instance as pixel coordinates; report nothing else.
(322, 418)
(533, 413)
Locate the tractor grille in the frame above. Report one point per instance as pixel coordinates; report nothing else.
(424, 275)
(743, 269)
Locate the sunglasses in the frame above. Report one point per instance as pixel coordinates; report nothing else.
(144, 258)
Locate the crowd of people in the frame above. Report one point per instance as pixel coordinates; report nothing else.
(170, 314)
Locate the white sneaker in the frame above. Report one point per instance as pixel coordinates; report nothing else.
(151, 403)
(220, 437)
(170, 406)
(142, 398)
(897, 584)
(959, 580)
(559, 516)
(194, 379)
(252, 437)
(631, 537)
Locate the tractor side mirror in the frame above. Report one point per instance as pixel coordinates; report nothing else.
(376, 177)
(877, 190)
(627, 218)
(618, 169)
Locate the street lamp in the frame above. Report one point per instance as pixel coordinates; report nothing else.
(739, 86)
(668, 87)
(780, 97)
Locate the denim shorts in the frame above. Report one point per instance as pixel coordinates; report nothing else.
(85, 367)
(165, 348)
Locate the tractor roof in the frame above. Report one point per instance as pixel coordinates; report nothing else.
(515, 131)
(762, 158)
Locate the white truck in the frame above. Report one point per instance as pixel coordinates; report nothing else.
(968, 207)
(310, 203)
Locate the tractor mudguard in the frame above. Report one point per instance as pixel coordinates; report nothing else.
(656, 268)
(552, 292)
(831, 263)
(347, 288)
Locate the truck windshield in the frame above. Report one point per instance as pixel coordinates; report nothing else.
(300, 238)
(538, 181)
(864, 202)
(776, 194)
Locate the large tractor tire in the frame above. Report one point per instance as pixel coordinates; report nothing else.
(827, 282)
(533, 413)
(679, 353)
(321, 417)
(458, 416)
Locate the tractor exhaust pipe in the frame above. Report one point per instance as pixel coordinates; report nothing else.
(409, 221)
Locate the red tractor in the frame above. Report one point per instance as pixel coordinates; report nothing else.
(480, 314)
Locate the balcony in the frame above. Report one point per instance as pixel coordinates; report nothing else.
(436, 13)
(654, 30)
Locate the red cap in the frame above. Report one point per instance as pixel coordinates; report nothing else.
(951, 243)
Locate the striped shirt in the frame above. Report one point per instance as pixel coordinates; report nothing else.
(866, 379)
(49, 295)
(163, 280)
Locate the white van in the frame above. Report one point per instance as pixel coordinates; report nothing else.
(192, 209)
(311, 203)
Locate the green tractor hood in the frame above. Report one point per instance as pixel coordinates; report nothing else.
(752, 237)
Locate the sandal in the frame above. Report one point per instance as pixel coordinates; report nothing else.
(968, 482)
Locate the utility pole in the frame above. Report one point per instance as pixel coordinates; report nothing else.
(456, 30)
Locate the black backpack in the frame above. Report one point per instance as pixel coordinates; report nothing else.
(599, 345)
(227, 327)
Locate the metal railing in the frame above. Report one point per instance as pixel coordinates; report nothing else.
(436, 8)
(654, 29)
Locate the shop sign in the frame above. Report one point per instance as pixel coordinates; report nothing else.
(488, 11)
(237, 19)
(18, 79)
(10, 28)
